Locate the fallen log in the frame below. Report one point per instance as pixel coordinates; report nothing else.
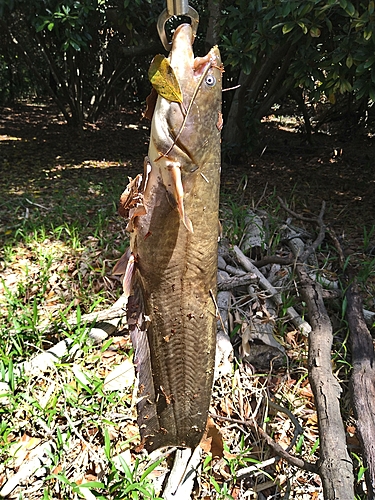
(335, 465)
(362, 383)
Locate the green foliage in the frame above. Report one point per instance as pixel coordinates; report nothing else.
(73, 50)
(69, 21)
(324, 47)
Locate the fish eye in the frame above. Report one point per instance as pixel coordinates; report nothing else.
(210, 80)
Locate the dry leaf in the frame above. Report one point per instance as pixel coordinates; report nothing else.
(163, 79)
(21, 449)
(91, 477)
(212, 440)
(351, 430)
(313, 419)
(108, 355)
(306, 392)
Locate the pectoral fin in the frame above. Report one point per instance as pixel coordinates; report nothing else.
(178, 192)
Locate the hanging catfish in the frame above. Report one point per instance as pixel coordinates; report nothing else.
(171, 267)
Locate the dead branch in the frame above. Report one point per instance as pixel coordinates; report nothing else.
(291, 459)
(236, 281)
(338, 247)
(117, 310)
(295, 318)
(181, 479)
(362, 382)
(319, 239)
(224, 348)
(234, 271)
(273, 259)
(253, 238)
(298, 429)
(295, 214)
(335, 466)
(105, 321)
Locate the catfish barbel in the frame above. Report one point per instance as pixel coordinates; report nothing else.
(171, 270)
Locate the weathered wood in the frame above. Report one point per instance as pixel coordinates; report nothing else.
(36, 460)
(335, 466)
(258, 346)
(294, 317)
(181, 480)
(224, 348)
(253, 239)
(116, 311)
(236, 281)
(234, 271)
(298, 247)
(362, 383)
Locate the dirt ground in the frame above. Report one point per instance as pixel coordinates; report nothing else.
(336, 168)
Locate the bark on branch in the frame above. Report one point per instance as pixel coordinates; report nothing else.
(335, 465)
(362, 382)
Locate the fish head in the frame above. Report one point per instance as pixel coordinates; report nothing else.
(185, 135)
(180, 131)
(197, 119)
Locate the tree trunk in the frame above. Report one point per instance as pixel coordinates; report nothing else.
(250, 87)
(102, 97)
(29, 61)
(212, 34)
(233, 129)
(277, 88)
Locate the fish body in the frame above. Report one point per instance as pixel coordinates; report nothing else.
(171, 272)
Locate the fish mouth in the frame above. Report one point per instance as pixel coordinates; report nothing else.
(190, 70)
(182, 47)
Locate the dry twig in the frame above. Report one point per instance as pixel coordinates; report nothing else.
(291, 459)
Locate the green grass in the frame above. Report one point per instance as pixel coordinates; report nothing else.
(59, 245)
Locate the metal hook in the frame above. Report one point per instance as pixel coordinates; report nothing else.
(176, 8)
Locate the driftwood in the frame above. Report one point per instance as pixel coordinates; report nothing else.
(362, 382)
(335, 465)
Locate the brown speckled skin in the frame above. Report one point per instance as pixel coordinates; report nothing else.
(176, 269)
